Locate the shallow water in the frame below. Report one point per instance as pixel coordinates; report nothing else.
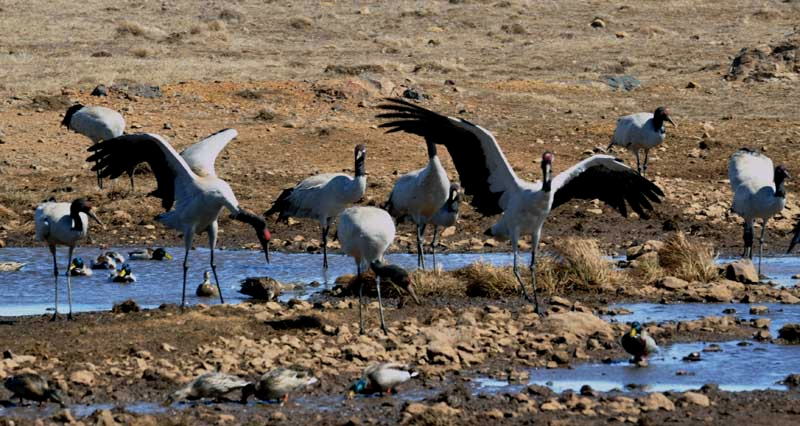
(777, 269)
(30, 291)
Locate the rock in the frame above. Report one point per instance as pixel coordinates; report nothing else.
(762, 336)
(719, 293)
(552, 405)
(790, 333)
(729, 311)
(136, 89)
(694, 398)
(261, 288)
(713, 348)
(788, 298)
(656, 401)
(692, 85)
(414, 94)
(64, 416)
(494, 414)
(742, 271)
(560, 301)
(693, 357)
(82, 377)
(598, 23)
(581, 324)
(624, 82)
(126, 307)
(759, 310)
(448, 232)
(672, 283)
(103, 418)
(792, 380)
(762, 323)
(100, 90)
(587, 390)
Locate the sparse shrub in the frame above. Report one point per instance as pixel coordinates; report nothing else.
(138, 30)
(301, 23)
(690, 261)
(142, 52)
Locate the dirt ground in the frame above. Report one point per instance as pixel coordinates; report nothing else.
(300, 82)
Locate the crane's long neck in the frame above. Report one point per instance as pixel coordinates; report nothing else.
(431, 149)
(658, 122)
(361, 166)
(547, 178)
(77, 222)
(780, 191)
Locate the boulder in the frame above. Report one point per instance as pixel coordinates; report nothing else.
(694, 398)
(656, 401)
(126, 307)
(790, 333)
(759, 310)
(82, 377)
(581, 324)
(672, 283)
(742, 271)
(718, 293)
(792, 380)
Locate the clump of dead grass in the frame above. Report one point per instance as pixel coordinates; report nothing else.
(136, 29)
(301, 23)
(142, 52)
(647, 269)
(441, 66)
(687, 260)
(581, 266)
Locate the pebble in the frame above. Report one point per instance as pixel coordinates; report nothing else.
(694, 357)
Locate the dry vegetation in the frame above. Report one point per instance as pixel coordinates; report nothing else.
(687, 260)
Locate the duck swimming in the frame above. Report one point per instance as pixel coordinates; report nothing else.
(149, 254)
(123, 275)
(382, 378)
(104, 261)
(638, 343)
(206, 289)
(11, 266)
(79, 269)
(278, 384)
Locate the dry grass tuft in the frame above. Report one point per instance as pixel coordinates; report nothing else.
(579, 264)
(690, 261)
(355, 69)
(301, 23)
(232, 15)
(647, 269)
(142, 52)
(443, 67)
(136, 29)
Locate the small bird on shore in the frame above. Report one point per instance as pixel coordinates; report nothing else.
(78, 268)
(278, 384)
(123, 275)
(446, 216)
(103, 261)
(149, 254)
(11, 266)
(641, 131)
(382, 378)
(396, 276)
(323, 197)
(209, 385)
(638, 343)
(206, 289)
(32, 387)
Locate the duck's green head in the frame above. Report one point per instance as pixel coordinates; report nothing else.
(359, 386)
(77, 263)
(636, 328)
(125, 271)
(161, 254)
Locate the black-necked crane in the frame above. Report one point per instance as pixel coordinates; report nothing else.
(188, 181)
(323, 197)
(365, 233)
(641, 131)
(419, 195)
(63, 224)
(446, 216)
(98, 124)
(758, 193)
(487, 176)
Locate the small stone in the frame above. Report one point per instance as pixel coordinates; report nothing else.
(126, 307)
(64, 416)
(100, 90)
(762, 322)
(82, 377)
(657, 401)
(598, 23)
(759, 310)
(693, 357)
(761, 336)
(692, 85)
(694, 398)
(621, 34)
(729, 311)
(713, 348)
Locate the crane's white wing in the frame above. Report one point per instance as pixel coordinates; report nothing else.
(482, 167)
(606, 178)
(202, 155)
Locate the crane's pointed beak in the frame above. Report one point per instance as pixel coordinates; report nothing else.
(672, 122)
(92, 215)
(265, 246)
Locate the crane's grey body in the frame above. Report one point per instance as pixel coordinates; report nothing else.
(62, 224)
(96, 123)
(420, 194)
(641, 131)
(323, 197)
(758, 193)
(209, 385)
(365, 233)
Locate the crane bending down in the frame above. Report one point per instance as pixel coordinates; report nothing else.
(98, 124)
(323, 197)
(63, 224)
(487, 176)
(188, 181)
(758, 193)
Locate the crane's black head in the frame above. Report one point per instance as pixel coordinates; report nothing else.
(781, 174)
(361, 156)
(454, 198)
(82, 205)
(70, 112)
(259, 225)
(547, 168)
(660, 116)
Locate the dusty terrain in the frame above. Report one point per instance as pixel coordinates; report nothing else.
(300, 82)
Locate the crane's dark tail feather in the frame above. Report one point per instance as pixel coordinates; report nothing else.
(282, 205)
(795, 237)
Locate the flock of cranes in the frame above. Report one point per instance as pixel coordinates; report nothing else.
(193, 196)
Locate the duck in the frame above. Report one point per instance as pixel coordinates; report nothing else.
(382, 378)
(206, 289)
(11, 266)
(116, 256)
(277, 384)
(123, 275)
(33, 387)
(149, 254)
(209, 385)
(79, 269)
(638, 343)
(103, 261)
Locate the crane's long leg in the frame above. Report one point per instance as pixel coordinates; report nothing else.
(516, 270)
(638, 165)
(644, 166)
(380, 305)
(55, 276)
(212, 242)
(325, 228)
(433, 246)
(748, 239)
(69, 282)
(533, 278)
(187, 242)
(420, 241)
(761, 245)
(360, 298)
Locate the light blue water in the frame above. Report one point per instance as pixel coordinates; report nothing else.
(30, 291)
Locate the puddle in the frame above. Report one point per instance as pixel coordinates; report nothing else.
(78, 410)
(735, 368)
